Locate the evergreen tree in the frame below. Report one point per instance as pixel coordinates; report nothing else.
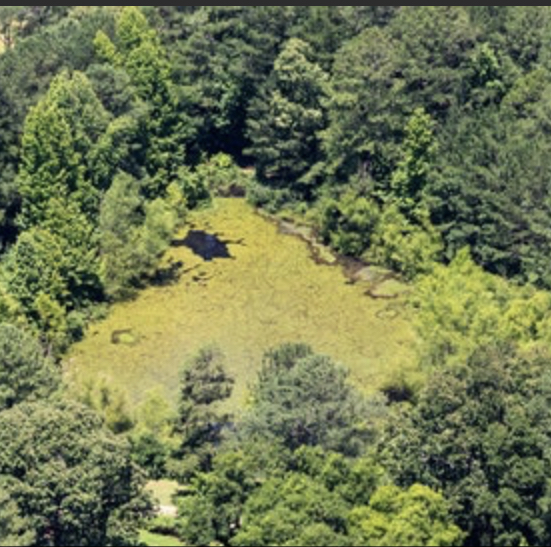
(284, 121)
(25, 375)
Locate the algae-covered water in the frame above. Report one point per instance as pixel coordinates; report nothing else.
(256, 287)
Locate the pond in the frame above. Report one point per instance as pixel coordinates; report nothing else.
(245, 286)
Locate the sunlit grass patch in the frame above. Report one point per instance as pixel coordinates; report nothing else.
(270, 291)
(156, 540)
(163, 491)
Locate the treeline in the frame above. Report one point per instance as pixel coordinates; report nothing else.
(416, 138)
(403, 133)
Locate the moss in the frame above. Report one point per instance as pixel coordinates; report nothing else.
(269, 292)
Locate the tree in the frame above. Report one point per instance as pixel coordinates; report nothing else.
(15, 531)
(57, 145)
(412, 172)
(222, 57)
(499, 205)
(293, 510)
(285, 120)
(479, 434)
(25, 375)
(211, 509)
(365, 108)
(75, 481)
(460, 307)
(137, 50)
(27, 70)
(301, 398)
(52, 276)
(417, 516)
(120, 219)
(204, 385)
(410, 248)
(437, 42)
(348, 224)
(133, 234)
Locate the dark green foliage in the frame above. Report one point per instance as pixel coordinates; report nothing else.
(499, 204)
(26, 71)
(348, 224)
(365, 107)
(25, 375)
(137, 50)
(76, 482)
(58, 140)
(49, 278)
(480, 434)
(301, 398)
(213, 510)
(15, 531)
(200, 423)
(223, 56)
(437, 42)
(284, 121)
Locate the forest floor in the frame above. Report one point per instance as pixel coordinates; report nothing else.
(264, 288)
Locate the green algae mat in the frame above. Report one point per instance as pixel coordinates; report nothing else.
(245, 285)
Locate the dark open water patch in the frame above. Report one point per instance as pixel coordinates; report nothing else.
(207, 246)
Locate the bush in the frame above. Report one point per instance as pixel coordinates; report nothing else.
(404, 247)
(349, 223)
(271, 200)
(222, 177)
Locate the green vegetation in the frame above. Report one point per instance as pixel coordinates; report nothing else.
(89, 493)
(269, 293)
(157, 540)
(275, 275)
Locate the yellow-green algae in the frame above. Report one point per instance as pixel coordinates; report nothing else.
(269, 292)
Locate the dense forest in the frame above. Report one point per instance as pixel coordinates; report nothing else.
(416, 140)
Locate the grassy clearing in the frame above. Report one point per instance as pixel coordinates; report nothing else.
(269, 292)
(163, 491)
(156, 540)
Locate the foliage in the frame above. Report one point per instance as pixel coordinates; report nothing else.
(25, 375)
(461, 307)
(222, 177)
(88, 494)
(405, 247)
(412, 171)
(348, 224)
(14, 530)
(58, 140)
(285, 120)
(133, 235)
(49, 278)
(200, 425)
(294, 510)
(305, 399)
(479, 434)
(417, 516)
(138, 51)
(212, 509)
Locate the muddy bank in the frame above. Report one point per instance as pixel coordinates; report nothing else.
(375, 279)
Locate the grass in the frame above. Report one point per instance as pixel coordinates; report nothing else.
(269, 292)
(163, 491)
(156, 540)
